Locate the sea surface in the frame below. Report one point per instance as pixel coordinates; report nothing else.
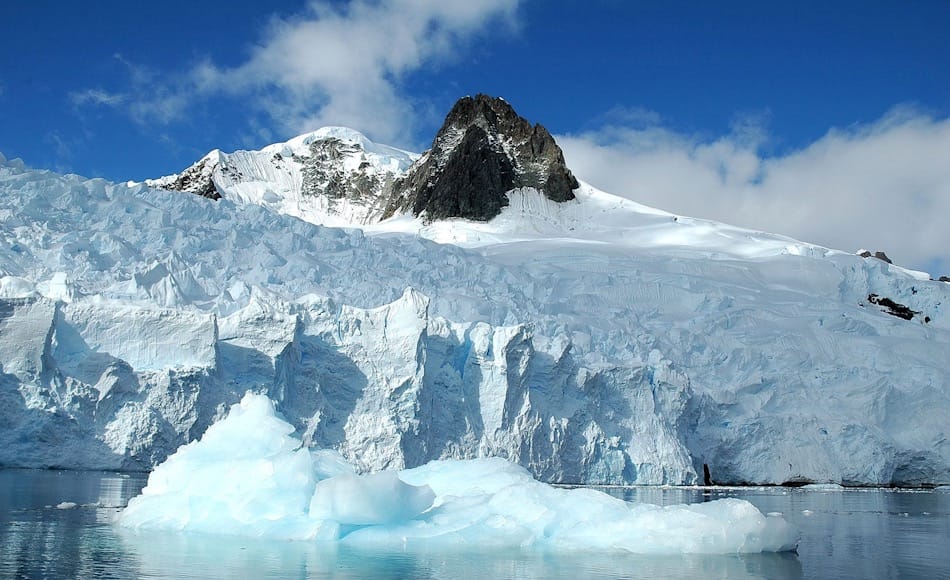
(57, 524)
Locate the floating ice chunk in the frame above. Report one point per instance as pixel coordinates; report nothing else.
(494, 502)
(248, 476)
(66, 505)
(822, 487)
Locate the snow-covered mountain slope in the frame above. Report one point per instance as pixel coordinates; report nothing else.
(593, 340)
(332, 176)
(336, 176)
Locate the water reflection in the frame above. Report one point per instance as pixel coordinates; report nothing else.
(196, 556)
(846, 533)
(39, 539)
(873, 533)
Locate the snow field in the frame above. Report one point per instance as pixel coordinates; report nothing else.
(591, 342)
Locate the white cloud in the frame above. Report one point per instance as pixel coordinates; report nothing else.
(146, 99)
(62, 149)
(97, 97)
(342, 65)
(883, 186)
(333, 64)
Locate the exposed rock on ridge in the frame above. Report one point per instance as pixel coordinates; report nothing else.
(333, 176)
(483, 150)
(336, 176)
(325, 172)
(197, 179)
(879, 255)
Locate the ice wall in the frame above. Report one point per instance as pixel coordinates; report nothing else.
(131, 318)
(388, 387)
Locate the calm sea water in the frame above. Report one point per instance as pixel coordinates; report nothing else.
(845, 534)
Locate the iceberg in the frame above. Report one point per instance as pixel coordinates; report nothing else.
(248, 476)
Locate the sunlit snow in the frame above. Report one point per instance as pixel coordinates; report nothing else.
(595, 341)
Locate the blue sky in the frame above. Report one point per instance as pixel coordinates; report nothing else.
(784, 117)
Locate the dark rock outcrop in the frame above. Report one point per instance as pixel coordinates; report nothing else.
(197, 180)
(893, 308)
(324, 173)
(879, 255)
(483, 150)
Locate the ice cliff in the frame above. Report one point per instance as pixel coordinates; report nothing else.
(590, 340)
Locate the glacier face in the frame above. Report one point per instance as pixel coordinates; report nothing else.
(594, 341)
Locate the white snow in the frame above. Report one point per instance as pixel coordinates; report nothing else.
(273, 176)
(595, 217)
(247, 476)
(596, 341)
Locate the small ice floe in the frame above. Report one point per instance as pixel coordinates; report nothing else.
(66, 505)
(822, 487)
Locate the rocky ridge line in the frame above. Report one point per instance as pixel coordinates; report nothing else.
(483, 150)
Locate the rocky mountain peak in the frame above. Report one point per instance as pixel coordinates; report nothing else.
(483, 150)
(493, 115)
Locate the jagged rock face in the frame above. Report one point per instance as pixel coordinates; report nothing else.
(483, 150)
(197, 179)
(472, 181)
(325, 172)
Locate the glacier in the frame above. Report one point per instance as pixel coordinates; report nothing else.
(591, 341)
(248, 476)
